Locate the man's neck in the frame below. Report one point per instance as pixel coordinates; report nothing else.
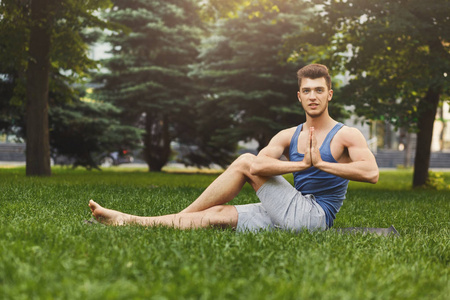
(319, 123)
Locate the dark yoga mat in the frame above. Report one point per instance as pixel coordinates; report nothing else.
(379, 231)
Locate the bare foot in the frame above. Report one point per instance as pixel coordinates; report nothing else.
(108, 216)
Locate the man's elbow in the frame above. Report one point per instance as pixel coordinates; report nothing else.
(373, 177)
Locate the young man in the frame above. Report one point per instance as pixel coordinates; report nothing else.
(322, 153)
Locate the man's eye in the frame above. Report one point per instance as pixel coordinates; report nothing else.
(305, 91)
(319, 90)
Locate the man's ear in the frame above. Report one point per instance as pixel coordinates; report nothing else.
(330, 95)
(298, 96)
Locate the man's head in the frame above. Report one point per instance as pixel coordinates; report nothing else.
(314, 90)
(314, 71)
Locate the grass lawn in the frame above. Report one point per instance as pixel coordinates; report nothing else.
(47, 252)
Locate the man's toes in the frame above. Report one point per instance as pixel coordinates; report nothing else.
(93, 205)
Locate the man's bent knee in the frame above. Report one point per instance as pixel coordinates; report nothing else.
(244, 161)
(243, 165)
(247, 156)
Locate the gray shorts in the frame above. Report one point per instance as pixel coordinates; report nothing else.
(283, 207)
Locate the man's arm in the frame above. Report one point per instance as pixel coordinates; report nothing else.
(268, 162)
(362, 165)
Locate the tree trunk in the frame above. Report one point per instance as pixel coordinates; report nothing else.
(38, 147)
(427, 109)
(387, 135)
(408, 150)
(156, 141)
(442, 134)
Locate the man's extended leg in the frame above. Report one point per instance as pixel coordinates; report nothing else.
(205, 211)
(228, 185)
(222, 215)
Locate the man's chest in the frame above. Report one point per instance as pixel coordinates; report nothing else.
(332, 145)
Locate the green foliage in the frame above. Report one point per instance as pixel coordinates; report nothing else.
(436, 181)
(148, 73)
(84, 131)
(74, 23)
(250, 85)
(14, 33)
(78, 130)
(217, 9)
(397, 57)
(46, 251)
(394, 51)
(71, 25)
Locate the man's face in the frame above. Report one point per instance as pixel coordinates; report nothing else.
(314, 96)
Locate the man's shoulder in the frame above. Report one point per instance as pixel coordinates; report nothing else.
(287, 133)
(284, 136)
(348, 130)
(348, 134)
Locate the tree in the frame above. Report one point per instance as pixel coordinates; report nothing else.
(213, 10)
(398, 55)
(37, 75)
(38, 63)
(86, 130)
(251, 86)
(148, 73)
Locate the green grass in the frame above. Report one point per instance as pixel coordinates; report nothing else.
(47, 252)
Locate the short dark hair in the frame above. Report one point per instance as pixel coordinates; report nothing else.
(314, 71)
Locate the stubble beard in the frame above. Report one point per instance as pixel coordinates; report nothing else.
(316, 113)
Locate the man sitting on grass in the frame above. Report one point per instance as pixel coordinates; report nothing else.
(322, 153)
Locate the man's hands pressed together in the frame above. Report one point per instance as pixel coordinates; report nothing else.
(316, 159)
(307, 158)
(312, 153)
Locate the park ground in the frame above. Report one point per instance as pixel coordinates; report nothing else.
(47, 251)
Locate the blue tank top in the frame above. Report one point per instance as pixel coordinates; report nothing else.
(329, 190)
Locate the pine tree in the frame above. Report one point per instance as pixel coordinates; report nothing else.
(84, 131)
(252, 86)
(148, 73)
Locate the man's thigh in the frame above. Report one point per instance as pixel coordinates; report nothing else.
(289, 208)
(253, 217)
